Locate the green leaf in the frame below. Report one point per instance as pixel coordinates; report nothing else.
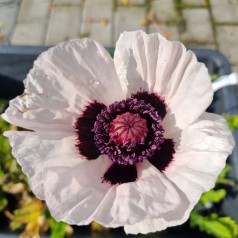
(15, 226)
(1, 175)
(219, 227)
(58, 229)
(227, 182)
(214, 76)
(224, 172)
(3, 202)
(222, 177)
(232, 121)
(231, 224)
(3, 104)
(214, 196)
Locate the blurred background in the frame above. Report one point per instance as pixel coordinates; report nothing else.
(198, 23)
(28, 27)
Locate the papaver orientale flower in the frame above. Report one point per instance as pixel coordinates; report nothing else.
(124, 142)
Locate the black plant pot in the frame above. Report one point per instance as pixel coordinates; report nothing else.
(16, 61)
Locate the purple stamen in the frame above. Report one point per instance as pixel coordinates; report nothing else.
(145, 136)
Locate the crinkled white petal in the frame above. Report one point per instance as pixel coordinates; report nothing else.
(172, 218)
(76, 194)
(63, 80)
(154, 64)
(201, 154)
(135, 58)
(34, 150)
(149, 197)
(74, 191)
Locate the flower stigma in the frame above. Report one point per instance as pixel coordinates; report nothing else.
(128, 128)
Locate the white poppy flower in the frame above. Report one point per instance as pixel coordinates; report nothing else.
(124, 142)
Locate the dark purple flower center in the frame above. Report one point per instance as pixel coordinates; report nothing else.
(128, 131)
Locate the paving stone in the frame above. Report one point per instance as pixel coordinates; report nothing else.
(97, 9)
(128, 19)
(8, 17)
(32, 22)
(227, 40)
(202, 45)
(64, 24)
(225, 11)
(29, 34)
(33, 11)
(195, 2)
(99, 32)
(97, 21)
(169, 32)
(68, 2)
(130, 2)
(198, 26)
(137, 1)
(235, 68)
(164, 10)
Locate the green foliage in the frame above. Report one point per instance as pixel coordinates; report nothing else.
(98, 229)
(3, 104)
(28, 216)
(213, 196)
(9, 169)
(58, 229)
(214, 76)
(232, 121)
(3, 201)
(219, 227)
(213, 224)
(224, 172)
(222, 180)
(5, 158)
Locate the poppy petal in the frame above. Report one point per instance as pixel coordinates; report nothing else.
(201, 155)
(75, 194)
(73, 191)
(154, 100)
(84, 126)
(34, 150)
(164, 156)
(150, 196)
(63, 81)
(149, 62)
(119, 174)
